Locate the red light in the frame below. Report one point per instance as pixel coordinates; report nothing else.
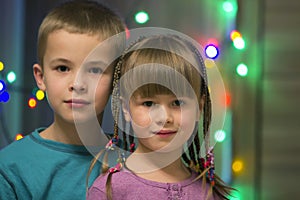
(213, 41)
(32, 102)
(227, 100)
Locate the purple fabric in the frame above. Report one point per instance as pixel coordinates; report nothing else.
(127, 186)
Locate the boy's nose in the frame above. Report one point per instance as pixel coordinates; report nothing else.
(78, 87)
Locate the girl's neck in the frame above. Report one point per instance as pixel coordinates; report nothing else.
(163, 167)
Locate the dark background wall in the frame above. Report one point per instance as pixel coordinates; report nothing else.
(264, 105)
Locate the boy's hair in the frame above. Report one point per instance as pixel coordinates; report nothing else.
(84, 17)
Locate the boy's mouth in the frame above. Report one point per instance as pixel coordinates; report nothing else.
(77, 103)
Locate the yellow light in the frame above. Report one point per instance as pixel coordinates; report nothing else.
(19, 136)
(40, 95)
(237, 166)
(1, 66)
(209, 63)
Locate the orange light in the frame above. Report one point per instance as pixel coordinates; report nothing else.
(19, 136)
(32, 102)
(235, 34)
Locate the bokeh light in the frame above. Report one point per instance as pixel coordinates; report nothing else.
(237, 166)
(141, 17)
(242, 69)
(11, 76)
(40, 95)
(211, 51)
(220, 135)
(1, 66)
(19, 136)
(32, 102)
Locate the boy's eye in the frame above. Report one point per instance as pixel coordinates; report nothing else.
(62, 68)
(148, 103)
(178, 103)
(95, 70)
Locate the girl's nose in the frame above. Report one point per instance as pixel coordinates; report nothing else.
(161, 115)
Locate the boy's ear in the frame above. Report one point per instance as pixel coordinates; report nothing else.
(39, 76)
(125, 108)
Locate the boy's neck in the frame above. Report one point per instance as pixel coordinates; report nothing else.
(69, 133)
(66, 134)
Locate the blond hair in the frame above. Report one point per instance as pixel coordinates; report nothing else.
(84, 17)
(151, 55)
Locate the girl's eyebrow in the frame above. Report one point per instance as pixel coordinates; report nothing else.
(96, 63)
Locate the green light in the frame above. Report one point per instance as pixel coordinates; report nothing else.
(242, 69)
(141, 17)
(220, 135)
(239, 43)
(227, 6)
(11, 77)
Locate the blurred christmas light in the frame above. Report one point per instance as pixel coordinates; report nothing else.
(11, 77)
(1, 66)
(32, 102)
(4, 96)
(127, 32)
(235, 34)
(209, 63)
(220, 135)
(239, 43)
(242, 69)
(19, 136)
(40, 95)
(2, 86)
(211, 51)
(227, 99)
(141, 17)
(227, 6)
(237, 166)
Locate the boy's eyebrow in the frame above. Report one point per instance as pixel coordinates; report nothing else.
(60, 60)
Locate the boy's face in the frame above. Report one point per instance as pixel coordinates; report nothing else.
(77, 89)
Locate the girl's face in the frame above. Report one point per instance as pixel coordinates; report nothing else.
(163, 122)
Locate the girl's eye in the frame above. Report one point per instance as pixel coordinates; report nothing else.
(62, 68)
(178, 103)
(148, 103)
(95, 70)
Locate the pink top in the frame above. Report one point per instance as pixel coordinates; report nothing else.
(128, 186)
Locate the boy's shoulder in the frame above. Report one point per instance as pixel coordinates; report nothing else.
(18, 149)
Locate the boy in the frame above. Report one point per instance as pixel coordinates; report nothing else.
(52, 163)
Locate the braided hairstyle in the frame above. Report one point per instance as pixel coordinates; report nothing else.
(184, 57)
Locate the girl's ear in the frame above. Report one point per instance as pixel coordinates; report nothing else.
(125, 108)
(39, 76)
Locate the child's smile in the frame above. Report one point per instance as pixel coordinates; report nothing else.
(158, 121)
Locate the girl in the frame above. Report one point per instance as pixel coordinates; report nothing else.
(163, 92)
